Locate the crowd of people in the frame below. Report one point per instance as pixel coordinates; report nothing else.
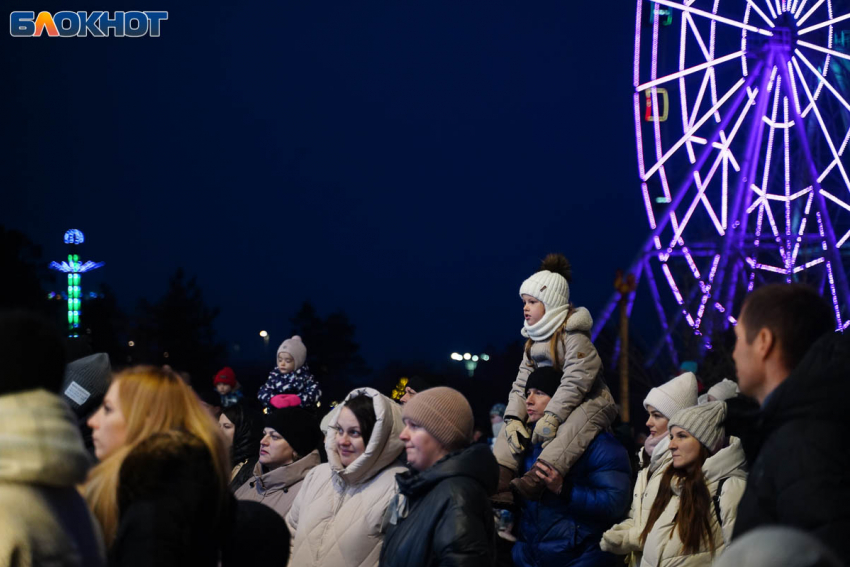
(136, 468)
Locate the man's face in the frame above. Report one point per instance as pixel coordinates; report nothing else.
(749, 362)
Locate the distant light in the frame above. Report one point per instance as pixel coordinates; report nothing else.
(456, 356)
(485, 357)
(662, 200)
(165, 354)
(131, 343)
(475, 358)
(467, 356)
(74, 236)
(264, 334)
(318, 404)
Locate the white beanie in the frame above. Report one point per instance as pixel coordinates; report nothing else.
(673, 396)
(723, 390)
(549, 287)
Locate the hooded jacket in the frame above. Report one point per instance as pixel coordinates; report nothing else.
(663, 547)
(581, 366)
(564, 529)
(43, 519)
(799, 477)
(643, 495)
(442, 515)
(336, 517)
(278, 488)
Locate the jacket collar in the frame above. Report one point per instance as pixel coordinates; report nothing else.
(287, 475)
(475, 462)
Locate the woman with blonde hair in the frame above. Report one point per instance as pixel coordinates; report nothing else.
(141, 402)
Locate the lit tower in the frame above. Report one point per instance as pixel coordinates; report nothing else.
(74, 267)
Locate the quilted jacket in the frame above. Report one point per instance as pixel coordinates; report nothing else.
(336, 517)
(645, 489)
(564, 529)
(663, 547)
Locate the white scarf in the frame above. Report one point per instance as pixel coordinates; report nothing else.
(658, 453)
(547, 325)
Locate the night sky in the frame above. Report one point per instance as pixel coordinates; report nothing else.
(409, 163)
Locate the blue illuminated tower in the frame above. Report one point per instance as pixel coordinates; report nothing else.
(74, 267)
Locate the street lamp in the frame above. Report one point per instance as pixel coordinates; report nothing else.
(265, 336)
(470, 361)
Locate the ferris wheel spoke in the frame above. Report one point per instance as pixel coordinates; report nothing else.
(822, 125)
(714, 17)
(760, 13)
(823, 49)
(809, 13)
(686, 17)
(689, 71)
(693, 129)
(797, 10)
(823, 80)
(822, 24)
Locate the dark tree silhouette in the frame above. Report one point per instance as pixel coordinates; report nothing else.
(178, 330)
(332, 353)
(24, 273)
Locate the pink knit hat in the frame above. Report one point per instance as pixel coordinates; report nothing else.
(445, 414)
(295, 347)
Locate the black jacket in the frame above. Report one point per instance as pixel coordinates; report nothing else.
(449, 519)
(800, 476)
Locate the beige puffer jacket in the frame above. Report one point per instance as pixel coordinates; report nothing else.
(336, 518)
(624, 538)
(581, 366)
(277, 489)
(664, 548)
(43, 518)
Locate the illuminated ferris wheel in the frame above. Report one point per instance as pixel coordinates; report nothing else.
(742, 120)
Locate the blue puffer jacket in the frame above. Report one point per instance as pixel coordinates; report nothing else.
(565, 529)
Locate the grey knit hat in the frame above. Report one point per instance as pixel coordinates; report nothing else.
(86, 382)
(445, 414)
(704, 422)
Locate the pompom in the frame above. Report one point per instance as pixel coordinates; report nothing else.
(558, 264)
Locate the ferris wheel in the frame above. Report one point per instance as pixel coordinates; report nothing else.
(742, 121)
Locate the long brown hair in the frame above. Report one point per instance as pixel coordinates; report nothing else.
(693, 519)
(553, 343)
(152, 400)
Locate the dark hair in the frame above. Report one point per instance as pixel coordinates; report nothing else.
(247, 431)
(363, 409)
(795, 313)
(32, 353)
(693, 518)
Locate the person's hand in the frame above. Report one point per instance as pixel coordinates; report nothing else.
(517, 434)
(612, 540)
(550, 477)
(545, 429)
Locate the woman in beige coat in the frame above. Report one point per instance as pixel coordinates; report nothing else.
(693, 515)
(336, 517)
(662, 403)
(288, 451)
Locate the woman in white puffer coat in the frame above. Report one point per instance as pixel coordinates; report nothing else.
(336, 517)
(662, 403)
(693, 515)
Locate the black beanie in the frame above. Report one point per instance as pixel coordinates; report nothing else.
(32, 353)
(546, 379)
(298, 426)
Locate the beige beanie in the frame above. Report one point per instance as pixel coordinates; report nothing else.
(445, 414)
(704, 422)
(673, 396)
(296, 348)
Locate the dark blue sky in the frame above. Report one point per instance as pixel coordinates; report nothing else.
(409, 164)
